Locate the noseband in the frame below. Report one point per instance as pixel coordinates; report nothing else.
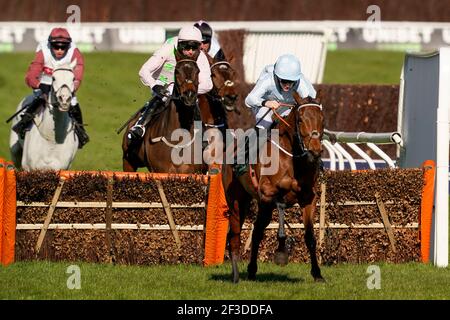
(314, 134)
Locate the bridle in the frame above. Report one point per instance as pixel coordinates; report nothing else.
(176, 92)
(54, 91)
(215, 94)
(314, 134)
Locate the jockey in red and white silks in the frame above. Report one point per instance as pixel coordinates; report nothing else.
(47, 59)
(59, 50)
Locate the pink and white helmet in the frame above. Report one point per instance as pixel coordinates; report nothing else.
(190, 33)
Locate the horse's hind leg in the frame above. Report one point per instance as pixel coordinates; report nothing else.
(308, 220)
(281, 255)
(234, 238)
(262, 221)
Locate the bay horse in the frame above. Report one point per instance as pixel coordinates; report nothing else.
(222, 99)
(51, 142)
(156, 150)
(295, 181)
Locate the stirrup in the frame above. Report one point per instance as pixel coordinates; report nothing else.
(240, 169)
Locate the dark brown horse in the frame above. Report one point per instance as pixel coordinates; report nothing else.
(156, 152)
(222, 100)
(298, 158)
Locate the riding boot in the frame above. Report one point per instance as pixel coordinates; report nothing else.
(26, 118)
(137, 131)
(261, 133)
(75, 113)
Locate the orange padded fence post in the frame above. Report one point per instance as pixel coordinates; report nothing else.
(2, 187)
(216, 222)
(426, 209)
(9, 215)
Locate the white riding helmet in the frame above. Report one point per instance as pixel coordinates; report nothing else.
(190, 33)
(288, 67)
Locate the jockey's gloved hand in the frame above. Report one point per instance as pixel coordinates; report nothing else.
(37, 93)
(160, 90)
(45, 88)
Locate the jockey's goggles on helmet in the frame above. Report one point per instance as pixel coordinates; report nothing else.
(285, 82)
(188, 45)
(60, 46)
(206, 40)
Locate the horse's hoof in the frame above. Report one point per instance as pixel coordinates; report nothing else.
(281, 258)
(251, 276)
(319, 279)
(235, 279)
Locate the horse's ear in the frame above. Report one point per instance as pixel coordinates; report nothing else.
(196, 54)
(319, 95)
(73, 64)
(231, 59)
(178, 55)
(299, 100)
(210, 59)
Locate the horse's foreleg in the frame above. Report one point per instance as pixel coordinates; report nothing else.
(16, 154)
(262, 221)
(308, 220)
(127, 166)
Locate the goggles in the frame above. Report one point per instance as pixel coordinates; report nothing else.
(60, 46)
(286, 82)
(189, 45)
(206, 40)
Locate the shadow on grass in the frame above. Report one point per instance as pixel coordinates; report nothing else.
(260, 277)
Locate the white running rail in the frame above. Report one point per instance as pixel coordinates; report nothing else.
(351, 140)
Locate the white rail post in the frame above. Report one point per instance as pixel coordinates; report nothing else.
(441, 210)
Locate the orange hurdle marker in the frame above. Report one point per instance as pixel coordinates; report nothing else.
(216, 223)
(426, 209)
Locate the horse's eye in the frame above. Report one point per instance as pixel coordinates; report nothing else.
(53, 78)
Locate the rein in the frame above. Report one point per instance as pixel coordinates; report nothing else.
(296, 132)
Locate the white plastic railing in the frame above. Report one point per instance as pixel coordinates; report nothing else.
(351, 139)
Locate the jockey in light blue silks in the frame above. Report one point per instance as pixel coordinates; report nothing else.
(275, 85)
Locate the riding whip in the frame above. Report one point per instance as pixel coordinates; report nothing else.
(18, 112)
(131, 118)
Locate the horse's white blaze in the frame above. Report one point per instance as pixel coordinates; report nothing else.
(51, 142)
(64, 96)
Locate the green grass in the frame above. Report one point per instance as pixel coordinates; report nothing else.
(111, 92)
(362, 66)
(48, 280)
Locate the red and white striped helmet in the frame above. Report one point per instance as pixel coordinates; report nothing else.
(59, 35)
